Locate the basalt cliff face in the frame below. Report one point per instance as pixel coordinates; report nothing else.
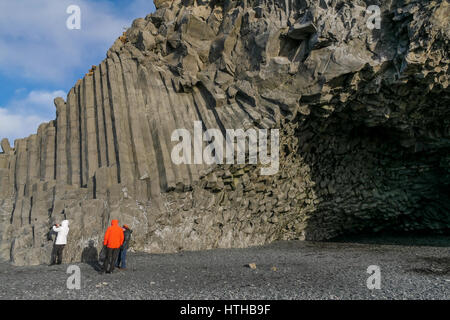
(363, 116)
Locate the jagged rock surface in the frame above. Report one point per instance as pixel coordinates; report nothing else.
(363, 116)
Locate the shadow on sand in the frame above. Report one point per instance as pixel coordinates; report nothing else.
(90, 257)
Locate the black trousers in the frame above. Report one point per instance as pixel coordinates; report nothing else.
(111, 259)
(57, 253)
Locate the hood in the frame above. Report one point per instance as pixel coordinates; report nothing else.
(65, 223)
(114, 222)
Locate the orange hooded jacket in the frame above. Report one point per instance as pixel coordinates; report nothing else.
(113, 235)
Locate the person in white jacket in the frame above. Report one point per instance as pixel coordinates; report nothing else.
(61, 240)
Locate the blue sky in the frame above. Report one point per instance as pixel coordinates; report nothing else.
(40, 58)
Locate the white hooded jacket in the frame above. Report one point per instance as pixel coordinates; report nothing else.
(62, 231)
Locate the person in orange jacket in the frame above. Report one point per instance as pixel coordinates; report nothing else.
(113, 241)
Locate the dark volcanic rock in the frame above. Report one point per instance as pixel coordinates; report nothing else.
(363, 118)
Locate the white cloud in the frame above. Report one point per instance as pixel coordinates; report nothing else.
(36, 47)
(42, 99)
(36, 44)
(22, 117)
(15, 126)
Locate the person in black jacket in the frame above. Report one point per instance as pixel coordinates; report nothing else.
(122, 259)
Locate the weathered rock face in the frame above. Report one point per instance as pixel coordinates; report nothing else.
(363, 117)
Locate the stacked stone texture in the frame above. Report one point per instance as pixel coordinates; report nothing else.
(363, 116)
